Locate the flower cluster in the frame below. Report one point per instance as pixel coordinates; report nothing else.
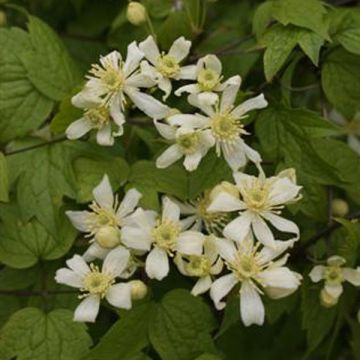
(233, 238)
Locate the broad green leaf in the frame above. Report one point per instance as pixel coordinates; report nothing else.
(126, 337)
(31, 334)
(14, 279)
(48, 63)
(317, 320)
(355, 338)
(208, 357)
(309, 14)
(310, 43)
(24, 243)
(4, 179)
(180, 327)
(22, 107)
(279, 41)
(262, 18)
(340, 79)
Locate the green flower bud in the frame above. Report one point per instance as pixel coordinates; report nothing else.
(339, 207)
(136, 13)
(138, 289)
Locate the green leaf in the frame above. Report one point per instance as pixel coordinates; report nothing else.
(22, 107)
(341, 81)
(355, 338)
(14, 279)
(32, 334)
(262, 18)
(309, 14)
(317, 320)
(24, 243)
(4, 179)
(279, 41)
(208, 357)
(310, 43)
(180, 327)
(126, 337)
(48, 64)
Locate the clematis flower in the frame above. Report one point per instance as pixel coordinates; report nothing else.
(191, 144)
(223, 120)
(259, 199)
(259, 271)
(165, 67)
(208, 80)
(106, 94)
(95, 284)
(163, 236)
(334, 274)
(204, 266)
(103, 223)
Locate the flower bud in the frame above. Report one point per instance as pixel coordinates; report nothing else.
(108, 237)
(327, 300)
(138, 289)
(3, 19)
(224, 186)
(136, 13)
(339, 207)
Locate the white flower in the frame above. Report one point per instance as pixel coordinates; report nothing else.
(334, 274)
(257, 271)
(96, 284)
(102, 224)
(260, 199)
(208, 80)
(203, 266)
(191, 144)
(163, 236)
(352, 128)
(224, 122)
(164, 67)
(104, 96)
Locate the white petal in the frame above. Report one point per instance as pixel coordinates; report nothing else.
(280, 278)
(334, 290)
(190, 243)
(354, 143)
(235, 154)
(263, 232)
(194, 100)
(212, 62)
(116, 113)
(116, 261)
(187, 72)
(88, 309)
(143, 219)
(251, 307)
(268, 254)
(317, 273)
(282, 224)
(164, 84)
(192, 161)
(134, 55)
(68, 277)
(166, 131)
(157, 264)
(283, 190)
(202, 286)
(85, 100)
(228, 96)
(258, 102)
(150, 49)
(169, 157)
(78, 128)
(226, 249)
(104, 136)
(220, 288)
(208, 98)
(103, 193)
(140, 80)
(251, 154)
(171, 210)
(234, 80)
(95, 251)
(136, 238)
(190, 89)
(189, 121)
(238, 228)
(79, 219)
(180, 48)
(352, 276)
(225, 202)
(147, 104)
(119, 295)
(78, 264)
(128, 204)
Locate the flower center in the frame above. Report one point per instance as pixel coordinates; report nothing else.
(256, 197)
(208, 79)
(100, 217)
(96, 282)
(198, 266)
(225, 127)
(110, 76)
(98, 117)
(165, 234)
(168, 66)
(245, 265)
(188, 142)
(333, 274)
